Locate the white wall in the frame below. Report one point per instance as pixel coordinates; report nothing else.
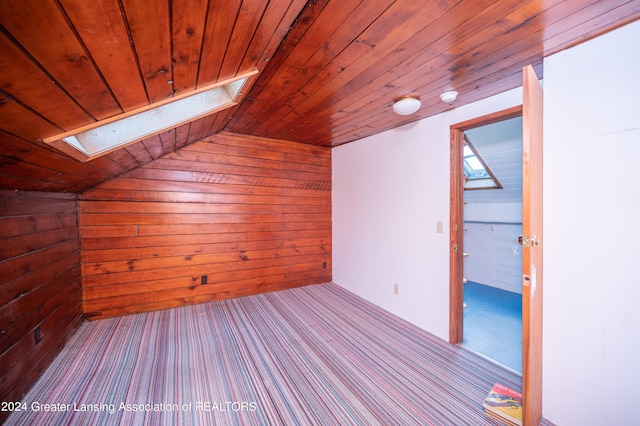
(500, 146)
(499, 212)
(389, 192)
(591, 231)
(493, 259)
(494, 256)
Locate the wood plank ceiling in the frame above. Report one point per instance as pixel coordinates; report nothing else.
(328, 70)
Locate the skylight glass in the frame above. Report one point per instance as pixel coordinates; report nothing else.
(477, 174)
(105, 136)
(472, 166)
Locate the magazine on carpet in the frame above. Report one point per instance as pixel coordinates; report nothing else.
(504, 404)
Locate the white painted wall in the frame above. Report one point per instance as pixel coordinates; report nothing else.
(389, 192)
(494, 257)
(500, 146)
(500, 212)
(591, 229)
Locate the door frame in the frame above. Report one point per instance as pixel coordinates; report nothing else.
(532, 241)
(456, 217)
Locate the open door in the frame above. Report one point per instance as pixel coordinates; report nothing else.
(532, 244)
(531, 239)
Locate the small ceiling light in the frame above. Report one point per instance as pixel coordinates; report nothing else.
(406, 105)
(449, 97)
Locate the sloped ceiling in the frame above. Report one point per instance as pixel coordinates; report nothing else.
(329, 70)
(500, 146)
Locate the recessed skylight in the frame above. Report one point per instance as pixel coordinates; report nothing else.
(100, 138)
(476, 172)
(473, 168)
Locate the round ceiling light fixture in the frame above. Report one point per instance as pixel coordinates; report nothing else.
(449, 97)
(406, 105)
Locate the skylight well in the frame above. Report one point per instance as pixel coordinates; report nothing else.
(477, 174)
(103, 137)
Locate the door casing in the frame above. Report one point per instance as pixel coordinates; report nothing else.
(456, 228)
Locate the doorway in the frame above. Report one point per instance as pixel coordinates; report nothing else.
(531, 240)
(456, 270)
(492, 259)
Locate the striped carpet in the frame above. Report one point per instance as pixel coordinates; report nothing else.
(315, 355)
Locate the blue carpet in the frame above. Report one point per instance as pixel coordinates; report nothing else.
(493, 324)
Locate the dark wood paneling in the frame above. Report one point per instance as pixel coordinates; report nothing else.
(68, 63)
(103, 31)
(252, 214)
(35, 87)
(338, 82)
(35, 166)
(43, 30)
(152, 44)
(328, 70)
(40, 280)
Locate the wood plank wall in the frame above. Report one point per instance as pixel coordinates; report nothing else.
(40, 278)
(252, 214)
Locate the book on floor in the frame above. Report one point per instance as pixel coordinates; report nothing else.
(505, 404)
(501, 419)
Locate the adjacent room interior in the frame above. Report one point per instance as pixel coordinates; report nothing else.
(493, 257)
(239, 212)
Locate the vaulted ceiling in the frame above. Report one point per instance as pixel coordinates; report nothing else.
(328, 70)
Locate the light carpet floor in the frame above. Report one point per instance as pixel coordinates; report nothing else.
(314, 355)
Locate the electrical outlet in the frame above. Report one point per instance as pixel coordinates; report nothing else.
(439, 227)
(324, 265)
(396, 289)
(203, 279)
